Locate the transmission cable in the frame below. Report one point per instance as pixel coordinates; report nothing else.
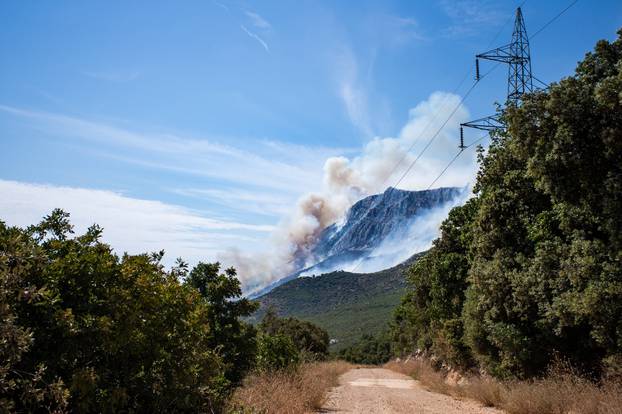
(553, 19)
(358, 264)
(452, 113)
(432, 139)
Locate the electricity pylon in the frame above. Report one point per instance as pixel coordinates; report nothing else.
(520, 80)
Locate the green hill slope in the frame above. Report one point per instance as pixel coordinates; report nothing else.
(346, 304)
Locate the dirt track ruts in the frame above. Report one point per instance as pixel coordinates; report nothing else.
(381, 391)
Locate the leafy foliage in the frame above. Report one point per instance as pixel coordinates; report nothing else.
(307, 338)
(87, 331)
(368, 350)
(347, 305)
(531, 267)
(430, 315)
(276, 352)
(234, 339)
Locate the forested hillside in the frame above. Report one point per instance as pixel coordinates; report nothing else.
(530, 269)
(85, 330)
(348, 305)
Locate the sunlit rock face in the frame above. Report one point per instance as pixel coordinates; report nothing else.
(378, 232)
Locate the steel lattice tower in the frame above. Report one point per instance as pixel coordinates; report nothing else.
(520, 80)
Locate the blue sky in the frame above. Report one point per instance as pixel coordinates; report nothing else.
(195, 126)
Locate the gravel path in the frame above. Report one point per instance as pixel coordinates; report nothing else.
(381, 391)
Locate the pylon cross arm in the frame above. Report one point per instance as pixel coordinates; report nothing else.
(489, 123)
(502, 54)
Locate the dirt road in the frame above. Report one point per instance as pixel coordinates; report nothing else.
(381, 391)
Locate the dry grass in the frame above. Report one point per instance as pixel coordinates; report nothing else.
(422, 371)
(293, 391)
(561, 392)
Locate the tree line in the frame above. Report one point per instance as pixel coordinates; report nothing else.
(530, 268)
(85, 330)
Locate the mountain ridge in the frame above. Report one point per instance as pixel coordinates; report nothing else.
(357, 241)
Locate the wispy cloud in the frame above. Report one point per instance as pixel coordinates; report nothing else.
(258, 21)
(221, 5)
(469, 16)
(130, 225)
(404, 29)
(242, 200)
(351, 91)
(274, 170)
(256, 37)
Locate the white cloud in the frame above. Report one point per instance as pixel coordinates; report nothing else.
(258, 21)
(130, 224)
(469, 16)
(256, 37)
(272, 170)
(352, 92)
(242, 200)
(384, 160)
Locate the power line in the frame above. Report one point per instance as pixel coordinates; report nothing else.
(553, 19)
(454, 159)
(432, 139)
(452, 113)
(432, 183)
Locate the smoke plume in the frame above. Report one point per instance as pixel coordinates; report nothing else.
(381, 162)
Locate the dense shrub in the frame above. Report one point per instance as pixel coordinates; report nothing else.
(531, 268)
(85, 330)
(275, 352)
(368, 349)
(430, 315)
(234, 339)
(308, 338)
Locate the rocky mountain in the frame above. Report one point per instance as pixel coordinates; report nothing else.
(378, 232)
(374, 220)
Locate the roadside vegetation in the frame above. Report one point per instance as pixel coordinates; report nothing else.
(522, 292)
(530, 269)
(561, 390)
(299, 389)
(85, 330)
(370, 350)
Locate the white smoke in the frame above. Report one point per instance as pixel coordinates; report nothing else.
(420, 231)
(381, 163)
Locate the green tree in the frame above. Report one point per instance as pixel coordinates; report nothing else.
(368, 349)
(88, 331)
(22, 387)
(275, 352)
(533, 267)
(430, 315)
(308, 338)
(546, 274)
(233, 338)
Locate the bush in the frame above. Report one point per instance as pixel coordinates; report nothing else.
(275, 352)
(299, 390)
(368, 349)
(85, 330)
(530, 267)
(561, 391)
(309, 339)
